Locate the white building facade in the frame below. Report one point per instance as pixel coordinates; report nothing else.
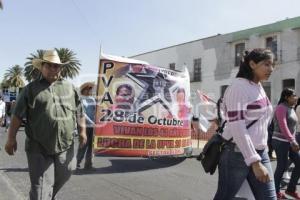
(214, 61)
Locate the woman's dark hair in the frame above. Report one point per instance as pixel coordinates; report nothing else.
(219, 102)
(256, 55)
(286, 92)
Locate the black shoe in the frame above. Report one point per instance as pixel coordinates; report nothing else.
(89, 166)
(77, 166)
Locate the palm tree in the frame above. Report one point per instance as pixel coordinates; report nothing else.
(4, 84)
(30, 72)
(13, 76)
(70, 70)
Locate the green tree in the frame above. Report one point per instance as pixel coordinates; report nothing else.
(14, 77)
(70, 70)
(30, 72)
(4, 84)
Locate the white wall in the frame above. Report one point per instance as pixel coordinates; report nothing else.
(217, 56)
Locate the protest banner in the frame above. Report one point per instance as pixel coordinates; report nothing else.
(142, 110)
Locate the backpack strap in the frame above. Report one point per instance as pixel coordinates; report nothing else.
(253, 122)
(221, 128)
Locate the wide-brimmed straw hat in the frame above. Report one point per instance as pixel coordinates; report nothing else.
(85, 85)
(49, 56)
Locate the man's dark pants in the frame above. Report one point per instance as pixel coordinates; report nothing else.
(48, 173)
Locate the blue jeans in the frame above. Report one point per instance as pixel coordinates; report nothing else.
(233, 171)
(283, 152)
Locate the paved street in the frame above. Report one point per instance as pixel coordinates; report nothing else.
(115, 178)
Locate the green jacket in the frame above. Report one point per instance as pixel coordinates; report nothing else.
(51, 111)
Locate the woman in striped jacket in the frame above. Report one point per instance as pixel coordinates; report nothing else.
(246, 157)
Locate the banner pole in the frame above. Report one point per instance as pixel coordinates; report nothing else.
(98, 86)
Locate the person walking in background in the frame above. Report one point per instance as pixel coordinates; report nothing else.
(89, 106)
(2, 111)
(8, 115)
(286, 174)
(270, 147)
(51, 106)
(297, 110)
(284, 142)
(248, 112)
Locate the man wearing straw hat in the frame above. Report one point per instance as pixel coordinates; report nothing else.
(51, 107)
(89, 106)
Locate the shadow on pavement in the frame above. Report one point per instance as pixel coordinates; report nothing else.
(126, 165)
(14, 169)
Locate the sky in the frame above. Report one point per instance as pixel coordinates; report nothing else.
(123, 27)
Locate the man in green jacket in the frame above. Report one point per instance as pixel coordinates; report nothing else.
(52, 110)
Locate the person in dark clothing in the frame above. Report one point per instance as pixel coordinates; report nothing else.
(270, 134)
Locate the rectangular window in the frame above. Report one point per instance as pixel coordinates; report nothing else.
(197, 69)
(271, 43)
(172, 66)
(239, 52)
(267, 88)
(288, 83)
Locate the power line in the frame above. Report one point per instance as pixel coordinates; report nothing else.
(85, 20)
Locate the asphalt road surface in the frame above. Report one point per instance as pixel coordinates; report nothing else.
(115, 178)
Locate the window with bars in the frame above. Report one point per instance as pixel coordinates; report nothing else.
(197, 69)
(271, 43)
(288, 83)
(239, 52)
(172, 66)
(267, 88)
